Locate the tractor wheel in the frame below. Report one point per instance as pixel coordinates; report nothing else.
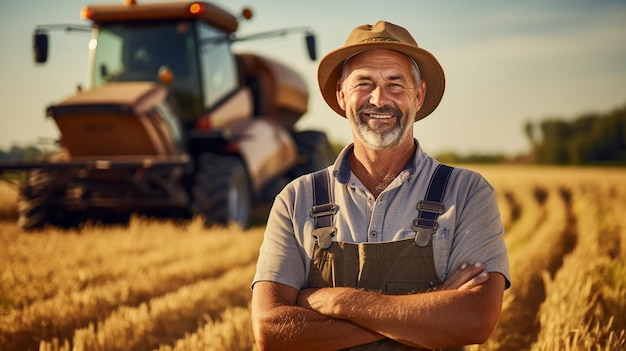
(314, 152)
(221, 192)
(33, 201)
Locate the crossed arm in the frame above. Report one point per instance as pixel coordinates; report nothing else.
(463, 311)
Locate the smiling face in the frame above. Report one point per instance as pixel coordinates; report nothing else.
(380, 96)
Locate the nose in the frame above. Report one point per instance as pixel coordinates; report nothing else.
(378, 96)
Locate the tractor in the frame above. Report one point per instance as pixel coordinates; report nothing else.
(174, 123)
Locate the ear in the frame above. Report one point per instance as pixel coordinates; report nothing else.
(421, 95)
(341, 96)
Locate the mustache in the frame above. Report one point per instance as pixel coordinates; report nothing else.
(386, 110)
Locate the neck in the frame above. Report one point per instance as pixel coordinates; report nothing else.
(376, 169)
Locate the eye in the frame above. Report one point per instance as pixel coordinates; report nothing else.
(363, 85)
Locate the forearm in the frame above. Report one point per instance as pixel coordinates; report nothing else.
(430, 320)
(291, 328)
(438, 319)
(279, 324)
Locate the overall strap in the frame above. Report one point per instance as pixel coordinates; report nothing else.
(323, 209)
(429, 209)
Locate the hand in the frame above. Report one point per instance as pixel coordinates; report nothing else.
(315, 298)
(303, 296)
(327, 301)
(465, 277)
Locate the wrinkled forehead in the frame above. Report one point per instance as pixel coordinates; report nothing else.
(378, 59)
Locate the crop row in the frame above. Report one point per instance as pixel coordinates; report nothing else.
(567, 248)
(114, 273)
(166, 318)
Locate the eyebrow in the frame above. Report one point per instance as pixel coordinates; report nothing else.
(390, 77)
(396, 77)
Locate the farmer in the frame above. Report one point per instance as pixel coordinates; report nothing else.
(386, 249)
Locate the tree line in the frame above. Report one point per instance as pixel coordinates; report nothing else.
(590, 139)
(22, 153)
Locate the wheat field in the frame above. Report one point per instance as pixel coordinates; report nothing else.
(158, 285)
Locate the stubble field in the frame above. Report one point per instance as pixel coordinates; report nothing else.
(156, 285)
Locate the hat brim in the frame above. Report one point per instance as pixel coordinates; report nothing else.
(330, 67)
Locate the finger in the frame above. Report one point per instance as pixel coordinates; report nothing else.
(462, 275)
(476, 280)
(303, 297)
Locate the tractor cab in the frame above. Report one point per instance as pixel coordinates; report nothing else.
(187, 48)
(184, 46)
(198, 76)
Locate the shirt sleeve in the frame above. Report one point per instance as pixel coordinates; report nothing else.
(281, 257)
(479, 233)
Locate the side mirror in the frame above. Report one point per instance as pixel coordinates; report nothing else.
(310, 45)
(40, 47)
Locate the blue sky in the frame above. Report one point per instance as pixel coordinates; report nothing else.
(506, 62)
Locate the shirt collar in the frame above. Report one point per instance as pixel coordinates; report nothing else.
(341, 168)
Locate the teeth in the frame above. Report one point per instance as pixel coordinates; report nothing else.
(380, 116)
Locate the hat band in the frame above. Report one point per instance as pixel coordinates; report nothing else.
(380, 39)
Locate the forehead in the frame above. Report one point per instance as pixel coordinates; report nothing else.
(379, 59)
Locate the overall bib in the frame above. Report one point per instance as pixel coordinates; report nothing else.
(393, 268)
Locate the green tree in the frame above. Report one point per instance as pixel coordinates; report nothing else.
(588, 139)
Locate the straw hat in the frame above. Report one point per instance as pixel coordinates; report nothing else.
(382, 35)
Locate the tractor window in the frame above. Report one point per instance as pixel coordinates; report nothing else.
(108, 62)
(219, 72)
(137, 51)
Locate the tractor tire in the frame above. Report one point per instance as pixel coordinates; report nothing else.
(314, 153)
(32, 206)
(221, 192)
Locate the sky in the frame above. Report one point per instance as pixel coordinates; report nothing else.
(506, 62)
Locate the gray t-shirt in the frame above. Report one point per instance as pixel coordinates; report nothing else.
(469, 231)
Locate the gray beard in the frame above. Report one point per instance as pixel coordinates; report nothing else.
(377, 140)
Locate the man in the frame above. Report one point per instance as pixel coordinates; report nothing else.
(377, 252)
